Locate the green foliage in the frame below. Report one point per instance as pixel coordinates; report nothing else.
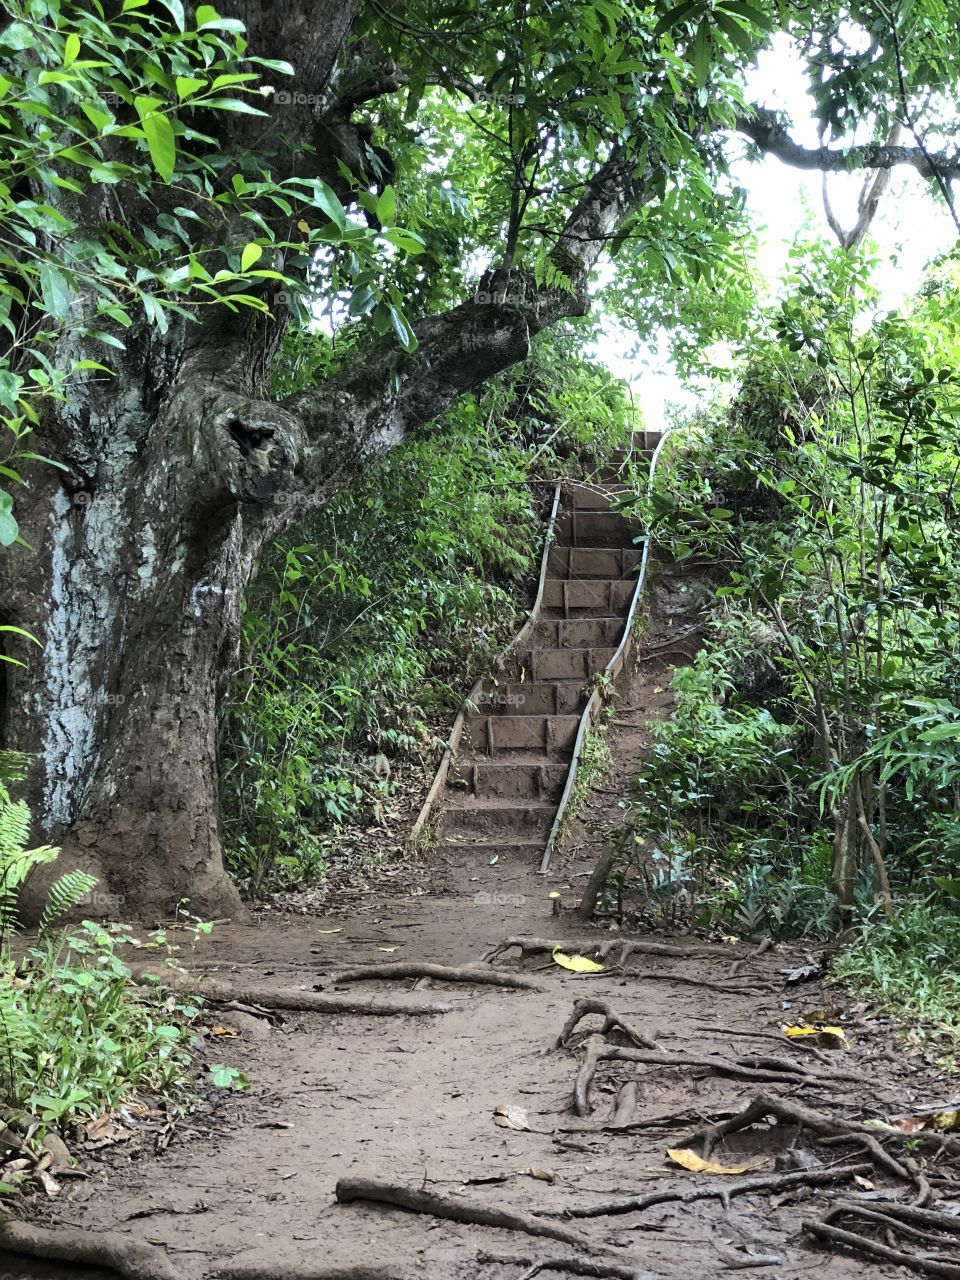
(908, 967)
(812, 766)
(366, 629)
(111, 112)
(73, 1040)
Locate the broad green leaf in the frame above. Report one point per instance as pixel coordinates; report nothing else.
(161, 144)
(251, 253)
(9, 529)
(56, 290)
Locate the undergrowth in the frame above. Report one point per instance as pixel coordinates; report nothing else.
(364, 631)
(907, 966)
(74, 1039)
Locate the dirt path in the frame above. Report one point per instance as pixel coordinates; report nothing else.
(412, 1100)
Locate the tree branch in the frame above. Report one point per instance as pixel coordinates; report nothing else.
(283, 460)
(768, 132)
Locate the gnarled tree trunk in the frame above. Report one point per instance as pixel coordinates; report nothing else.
(175, 477)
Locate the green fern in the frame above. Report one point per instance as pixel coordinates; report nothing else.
(72, 887)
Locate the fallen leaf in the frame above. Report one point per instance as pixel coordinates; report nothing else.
(388, 948)
(801, 973)
(330, 931)
(576, 964)
(49, 1183)
(690, 1160)
(864, 1182)
(543, 1175)
(224, 1031)
(511, 1117)
(824, 1037)
(942, 1121)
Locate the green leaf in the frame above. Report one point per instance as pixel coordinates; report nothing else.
(189, 86)
(17, 36)
(56, 290)
(9, 529)
(387, 205)
(675, 16)
(71, 49)
(161, 144)
(250, 255)
(404, 334)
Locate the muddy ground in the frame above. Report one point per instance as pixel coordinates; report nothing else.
(411, 1101)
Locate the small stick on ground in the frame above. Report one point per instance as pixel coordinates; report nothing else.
(440, 972)
(573, 1266)
(455, 1209)
(612, 1021)
(863, 1244)
(129, 1258)
(723, 1193)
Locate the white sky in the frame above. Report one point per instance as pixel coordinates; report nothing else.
(911, 227)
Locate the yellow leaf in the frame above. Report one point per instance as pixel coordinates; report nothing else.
(303, 226)
(387, 948)
(690, 1160)
(577, 964)
(329, 931)
(827, 1037)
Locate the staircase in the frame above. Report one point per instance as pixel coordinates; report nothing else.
(504, 787)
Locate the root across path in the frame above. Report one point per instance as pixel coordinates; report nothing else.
(434, 1097)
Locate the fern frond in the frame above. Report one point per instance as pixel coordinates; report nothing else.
(14, 1039)
(64, 894)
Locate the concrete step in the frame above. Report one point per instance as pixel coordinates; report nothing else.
(599, 595)
(595, 529)
(579, 633)
(563, 664)
(492, 820)
(593, 562)
(595, 497)
(494, 780)
(495, 735)
(534, 698)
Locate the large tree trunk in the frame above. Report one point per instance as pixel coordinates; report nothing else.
(175, 478)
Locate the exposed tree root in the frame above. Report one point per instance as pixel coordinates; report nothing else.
(613, 1021)
(863, 1244)
(128, 1257)
(300, 1001)
(253, 1271)
(738, 965)
(829, 1128)
(723, 987)
(441, 972)
(733, 1068)
(625, 1105)
(456, 1209)
(603, 950)
(574, 1266)
(592, 1053)
(724, 1193)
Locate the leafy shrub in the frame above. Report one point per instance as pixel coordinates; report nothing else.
(73, 1039)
